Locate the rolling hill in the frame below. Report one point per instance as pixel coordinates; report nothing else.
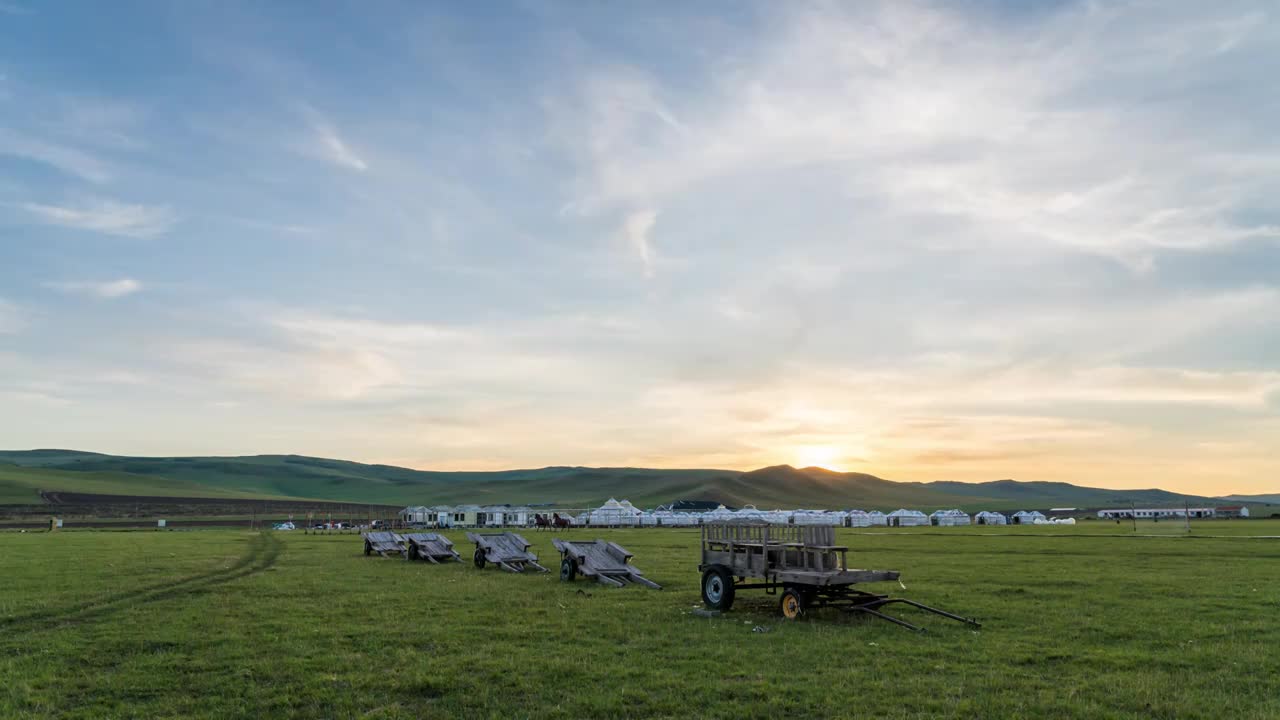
(23, 474)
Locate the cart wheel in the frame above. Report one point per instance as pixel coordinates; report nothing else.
(479, 558)
(368, 549)
(568, 570)
(717, 588)
(793, 603)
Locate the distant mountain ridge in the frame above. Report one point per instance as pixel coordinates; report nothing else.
(23, 473)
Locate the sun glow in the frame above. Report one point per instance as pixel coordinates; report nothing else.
(823, 456)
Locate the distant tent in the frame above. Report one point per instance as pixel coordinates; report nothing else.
(748, 512)
(615, 514)
(667, 518)
(987, 517)
(857, 518)
(949, 518)
(1022, 517)
(721, 513)
(878, 518)
(777, 517)
(907, 518)
(815, 517)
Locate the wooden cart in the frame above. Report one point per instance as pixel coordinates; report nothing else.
(507, 550)
(383, 543)
(609, 563)
(803, 561)
(431, 547)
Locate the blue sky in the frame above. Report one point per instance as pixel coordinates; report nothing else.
(966, 240)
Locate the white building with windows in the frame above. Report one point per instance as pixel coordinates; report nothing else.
(1203, 513)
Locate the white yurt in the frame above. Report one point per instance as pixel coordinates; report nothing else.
(907, 518)
(668, 519)
(647, 519)
(812, 517)
(607, 515)
(857, 518)
(776, 517)
(878, 518)
(1022, 517)
(986, 517)
(1063, 521)
(615, 514)
(748, 512)
(949, 518)
(720, 514)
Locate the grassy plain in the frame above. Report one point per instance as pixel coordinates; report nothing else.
(1085, 622)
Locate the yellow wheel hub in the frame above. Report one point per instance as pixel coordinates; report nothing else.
(790, 607)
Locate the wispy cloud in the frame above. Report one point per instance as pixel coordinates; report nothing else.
(327, 144)
(925, 111)
(13, 8)
(636, 231)
(108, 217)
(64, 158)
(106, 290)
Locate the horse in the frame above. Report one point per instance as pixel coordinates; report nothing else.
(541, 522)
(560, 522)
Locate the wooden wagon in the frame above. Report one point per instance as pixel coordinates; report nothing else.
(431, 547)
(507, 550)
(801, 561)
(383, 543)
(608, 563)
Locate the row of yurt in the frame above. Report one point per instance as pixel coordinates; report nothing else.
(987, 517)
(949, 518)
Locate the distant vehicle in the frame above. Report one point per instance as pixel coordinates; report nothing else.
(283, 526)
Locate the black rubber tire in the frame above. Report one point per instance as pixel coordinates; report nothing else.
(368, 549)
(792, 604)
(717, 588)
(478, 558)
(568, 570)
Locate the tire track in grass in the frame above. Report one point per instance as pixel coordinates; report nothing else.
(262, 554)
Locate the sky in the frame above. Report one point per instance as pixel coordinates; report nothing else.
(964, 240)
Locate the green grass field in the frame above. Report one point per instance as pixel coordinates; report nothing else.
(1085, 622)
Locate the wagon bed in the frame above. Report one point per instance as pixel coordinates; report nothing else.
(507, 550)
(431, 547)
(803, 561)
(609, 563)
(383, 542)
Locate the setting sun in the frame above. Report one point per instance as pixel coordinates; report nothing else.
(823, 456)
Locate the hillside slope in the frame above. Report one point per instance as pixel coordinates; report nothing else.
(310, 478)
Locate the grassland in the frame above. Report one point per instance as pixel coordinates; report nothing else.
(1079, 623)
